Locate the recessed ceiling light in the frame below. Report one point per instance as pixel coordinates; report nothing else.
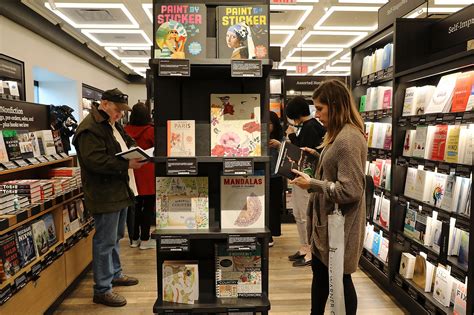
(347, 27)
(432, 10)
(282, 32)
(364, 1)
(279, 7)
(121, 6)
(358, 36)
(89, 33)
(148, 8)
(112, 50)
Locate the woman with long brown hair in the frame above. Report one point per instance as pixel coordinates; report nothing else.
(340, 179)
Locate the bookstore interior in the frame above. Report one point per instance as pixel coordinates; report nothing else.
(215, 78)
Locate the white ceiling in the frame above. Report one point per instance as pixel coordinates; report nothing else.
(318, 33)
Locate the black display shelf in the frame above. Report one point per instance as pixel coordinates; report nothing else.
(375, 272)
(212, 159)
(458, 269)
(437, 119)
(425, 297)
(376, 78)
(376, 115)
(211, 233)
(215, 305)
(380, 228)
(374, 153)
(462, 170)
(417, 246)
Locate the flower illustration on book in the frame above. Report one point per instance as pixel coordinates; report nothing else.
(251, 127)
(230, 139)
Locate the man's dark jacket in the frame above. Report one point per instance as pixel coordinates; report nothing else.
(104, 176)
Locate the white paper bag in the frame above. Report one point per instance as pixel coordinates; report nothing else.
(336, 262)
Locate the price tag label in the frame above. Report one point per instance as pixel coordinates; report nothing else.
(174, 243)
(468, 117)
(413, 293)
(251, 68)
(5, 294)
(9, 165)
(33, 161)
(413, 163)
(238, 166)
(64, 155)
(388, 72)
(358, 82)
(398, 280)
(444, 168)
(430, 308)
(36, 269)
(365, 80)
(449, 118)
(174, 68)
(430, 166)
(402, 161)
(430, 119)
(380, 74)
(181, 166)
(21, 163)
(20, 281)
(242, 243)
(57, 156)
(42, 159)
(402, 121)
(463, 171)
(371, 77)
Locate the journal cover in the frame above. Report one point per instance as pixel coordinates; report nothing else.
(181, 138)
(420, 141)
(452, 144)
(291, 157)
(409, 105)
(3, 150)
(47, 140)
(443, 286)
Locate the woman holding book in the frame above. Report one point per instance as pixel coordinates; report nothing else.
(340, 179)
(142, 131)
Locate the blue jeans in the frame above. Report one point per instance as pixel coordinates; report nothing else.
(109, 229)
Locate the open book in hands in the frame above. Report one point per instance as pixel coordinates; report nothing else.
(136, 153)
(291, 157)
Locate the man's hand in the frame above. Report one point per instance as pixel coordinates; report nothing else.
(302, 180)
(273, 143)
(135, 164)
(290, 130)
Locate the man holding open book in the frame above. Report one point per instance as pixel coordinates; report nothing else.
(109, 189)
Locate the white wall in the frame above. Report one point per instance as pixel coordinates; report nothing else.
(34, 50)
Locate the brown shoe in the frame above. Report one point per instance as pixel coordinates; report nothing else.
(124, 281)
(110, 299)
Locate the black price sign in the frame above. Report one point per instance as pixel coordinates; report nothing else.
(5, 294)
(251, 68)
(468, 117)
(174, 243)
(36, 269)
(380, 74)
(413, 293)
(52, 157)
(398, 280)
(388, 73)
(414, 119)
(402, 161)
(430, 166)
(238, 166)
(430, 307)
(242, 243)
(9, 165)
(20, 281)
(181, 166)
(57, 156)
(64, 155)
(385, 269)
(463, 171)
(430, 119)
(174, 68)
(444, 168)
(358, 83)
(413, 163)
(449, 118)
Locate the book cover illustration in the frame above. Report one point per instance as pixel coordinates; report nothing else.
(443, 286)
(460, 300)
(235, 125)
(47, 140)
(438, 189)
(3, 150)
(49, 222)
(9, 255)
(242, 202)
(420, 141)
(439, 142)
(463, 257)
(58, 143)
(12, 144)
(181, 31)
(41, 238)
(462, 91)
(242, 32)
(181, 138)
(452, 144)
(26, 246)
(291, 157)
(238, 274)
(180, 282)
(182, 203)
(26, 144)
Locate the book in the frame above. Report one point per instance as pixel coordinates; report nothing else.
(384, 218)
(379, 166)
(58, 142)
(462, 91)
(377, 243)
(423, 96)
(26, 144)
(47, 140)
(423, 183)
(291, 157)
(460, 300)
(136, 153)
(409, 104)
(449, 194)
(3, 150)
(409, 143)
(242, 32)
(407, 265)
(238, 274)
(49, 222)
(235, 125)
(410, 221)
(443, 286)
(387, 98)
(26, 246)
(387, 53)
(383, 253)
(419, 272)
(182, 203)
(410, 182)
(438, 189)
(9, 255)
(12, 144)
(180, 281)
(452, 144)
(470, 100)
(437, 227)
(387, 143)
(439, 142)
(463, 257)
(66, 224)
(41, 238)
(242, 202)
(420, 141)
(181, 31)
(363, 99)
(442, 96)
(181, 138)
(369, 236)
(464, 194)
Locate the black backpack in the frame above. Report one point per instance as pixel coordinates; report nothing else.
(369, 195)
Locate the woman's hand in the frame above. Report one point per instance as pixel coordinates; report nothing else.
(302, 181)
(310, 151)
(290, 130)
(273, 143)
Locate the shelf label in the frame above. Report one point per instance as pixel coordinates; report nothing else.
(413, 163)
(174, 68)
(385, 269)
(414, 119)
(181, 166)
(378, 264)
(463, 171)
(444, 168)
(380, 74)
(371, 77)
(468, 117)
(251, 68)
(36, 269)
(21, 163)
(64, 155)
(5, 294)
(9, 165)
(242, 243)
(238, 166)
(174, 243)
(365, 80)
(368, 255)
(20, 281)
(42, 159)
(33, 161)
(358, 83)
(449, 118)
(48, 259)
(430, 307)
(402, 121)
(402, 161)
(57, 156)
(388, 73)
(398, 280)
(413, 293)
(371, 115)
(430, 166)
(430, 119)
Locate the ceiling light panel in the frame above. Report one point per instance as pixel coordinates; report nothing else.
(280, 38)
(315, 53)
(118, 37)
(323, 72)
(288, 17)
(339, 62)
(440, 10)
(94, 15)
(340, 39)
(364, 1)
(355, 18)
(148, 8)
(129, 52)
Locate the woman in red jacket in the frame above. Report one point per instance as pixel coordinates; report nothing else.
(141, 129)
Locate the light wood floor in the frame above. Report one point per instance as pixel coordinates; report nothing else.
(289, 287)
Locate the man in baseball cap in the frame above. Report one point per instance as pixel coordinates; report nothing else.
(116, 96)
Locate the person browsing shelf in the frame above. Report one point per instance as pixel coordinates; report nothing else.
(304, 131)
(143, 132)
(340, 179)
(109, 189)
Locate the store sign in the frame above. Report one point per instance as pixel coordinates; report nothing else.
(23, 116)
(453, 30)
(181, 166)
(306, 83)
(9, 69)
(240, 166)
(174, 68)
(395, 9)
(246, 68)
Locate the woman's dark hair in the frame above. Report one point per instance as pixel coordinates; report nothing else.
(140, 115)
(277, 132)
(297, 107)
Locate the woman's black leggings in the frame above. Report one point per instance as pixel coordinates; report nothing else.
(320, 290)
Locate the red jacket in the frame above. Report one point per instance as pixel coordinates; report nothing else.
(144, 176)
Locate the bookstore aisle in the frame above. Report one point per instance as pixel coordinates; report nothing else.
(290, 288)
